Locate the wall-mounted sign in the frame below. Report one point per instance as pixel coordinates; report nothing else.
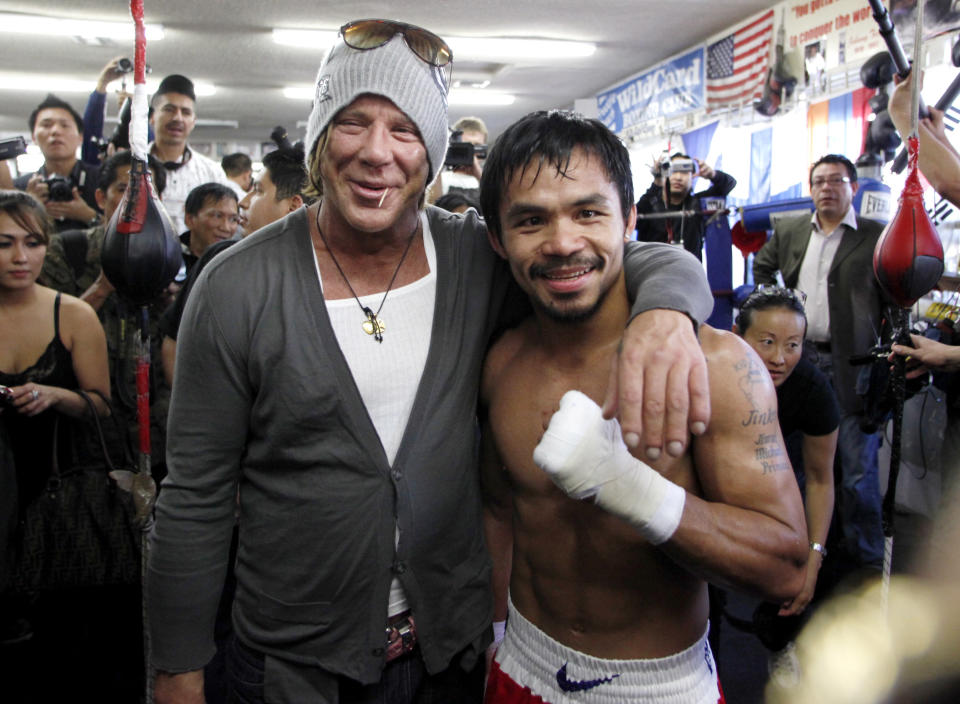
(672, 88)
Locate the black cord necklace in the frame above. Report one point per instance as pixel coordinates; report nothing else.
(373, 325)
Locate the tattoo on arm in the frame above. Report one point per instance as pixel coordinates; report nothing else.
(769, 453)
(751, 375)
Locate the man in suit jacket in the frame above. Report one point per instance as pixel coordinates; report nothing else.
(829, 256)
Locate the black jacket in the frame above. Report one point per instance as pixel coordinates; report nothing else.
(84, 176)
(690, 228)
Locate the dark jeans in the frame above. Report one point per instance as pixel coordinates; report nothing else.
(404, 681)
(858, 501)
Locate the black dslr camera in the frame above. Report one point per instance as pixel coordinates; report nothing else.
(59, 188)
(461, 153)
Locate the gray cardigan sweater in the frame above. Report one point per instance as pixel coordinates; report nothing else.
(264, 402)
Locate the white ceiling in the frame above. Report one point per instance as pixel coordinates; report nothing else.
(230, 45)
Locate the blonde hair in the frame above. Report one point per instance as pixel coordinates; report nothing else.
(314, 187)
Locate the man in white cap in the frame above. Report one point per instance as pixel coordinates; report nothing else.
(328, 368)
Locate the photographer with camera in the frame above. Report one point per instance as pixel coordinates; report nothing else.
(64, 184)
(464, 161)
(95, 147)
(671, 191)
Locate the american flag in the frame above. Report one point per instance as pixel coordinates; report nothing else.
(737, 64)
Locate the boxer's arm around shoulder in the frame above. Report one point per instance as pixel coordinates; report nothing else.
(748, 529)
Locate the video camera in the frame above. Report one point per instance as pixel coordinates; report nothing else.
(120, 139)
(679, 165)
(12, 147)
(461, 153)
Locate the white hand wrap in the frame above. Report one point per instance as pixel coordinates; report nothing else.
(585, 456)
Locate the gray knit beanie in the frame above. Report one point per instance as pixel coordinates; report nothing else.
(394, 72)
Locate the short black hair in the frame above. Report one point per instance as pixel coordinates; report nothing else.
(175, 83)
(287, 171)
(206, 191)
(236, 164)
(550, 137)
(109, 168)
(765, 299)
(52, 101)
(835, 159)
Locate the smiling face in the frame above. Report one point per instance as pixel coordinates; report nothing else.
(21, 254)
(374, 165)
(777, 336)
(56, 133)
(216, 221)
(563, 236)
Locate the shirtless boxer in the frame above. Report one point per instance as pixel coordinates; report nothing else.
(607, 586)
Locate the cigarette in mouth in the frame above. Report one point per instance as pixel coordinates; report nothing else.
(383, 197)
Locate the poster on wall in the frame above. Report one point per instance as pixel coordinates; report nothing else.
(830, 34)
(672, 88)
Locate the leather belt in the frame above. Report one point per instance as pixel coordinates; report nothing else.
(401, 635)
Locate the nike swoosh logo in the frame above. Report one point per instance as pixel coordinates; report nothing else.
(579, 685)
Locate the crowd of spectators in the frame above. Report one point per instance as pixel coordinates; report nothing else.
(54, 223)
(819, 305)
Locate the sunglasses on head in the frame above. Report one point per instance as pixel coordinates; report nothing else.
(772, 290)
(364, 35)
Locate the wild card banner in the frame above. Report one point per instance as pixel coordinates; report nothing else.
(671, 88)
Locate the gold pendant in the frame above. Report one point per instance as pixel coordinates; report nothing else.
(374, 326)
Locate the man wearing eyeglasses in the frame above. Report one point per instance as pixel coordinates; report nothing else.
(829, 256)
(328, 368)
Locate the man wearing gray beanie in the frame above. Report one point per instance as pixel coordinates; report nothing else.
(336, 391)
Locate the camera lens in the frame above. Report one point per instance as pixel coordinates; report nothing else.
(124, 65)
(59, 189)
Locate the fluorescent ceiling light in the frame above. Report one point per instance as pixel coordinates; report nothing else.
(471, 96)
(65, 27)
(53, 84)
(305, 38)
(469, 48)
(304, 92)
(201, 122)
(458, 96)
(499, 48)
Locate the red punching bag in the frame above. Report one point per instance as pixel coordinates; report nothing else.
(908, 258)
(141, 250)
